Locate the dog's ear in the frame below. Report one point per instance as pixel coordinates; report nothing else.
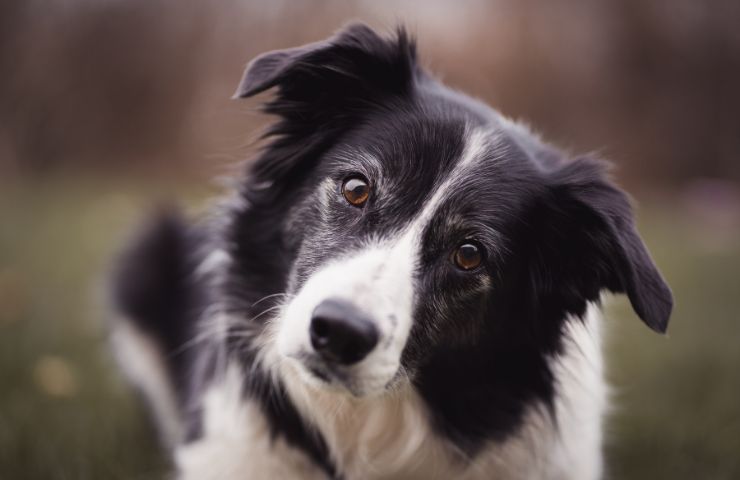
(590, 243)
(269, 69)
(321, 90)
(356, 56)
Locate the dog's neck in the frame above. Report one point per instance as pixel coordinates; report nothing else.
(390, 434)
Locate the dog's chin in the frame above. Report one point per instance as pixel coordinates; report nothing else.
(318, 376)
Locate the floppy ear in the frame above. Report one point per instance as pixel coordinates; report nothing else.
(356, 54)
(268, 69)
(321, 90)
(591, 240)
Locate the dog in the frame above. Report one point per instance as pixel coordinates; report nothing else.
(405, 284)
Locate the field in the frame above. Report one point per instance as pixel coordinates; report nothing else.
(65, 414)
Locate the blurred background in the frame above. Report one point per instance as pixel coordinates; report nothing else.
(108, 107)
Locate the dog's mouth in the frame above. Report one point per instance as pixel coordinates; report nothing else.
(318, 374)
(321, 374)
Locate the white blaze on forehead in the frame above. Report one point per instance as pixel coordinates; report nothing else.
(475, 145)
(378, 279)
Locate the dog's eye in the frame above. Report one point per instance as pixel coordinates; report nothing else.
(356, 191)
(468, 256)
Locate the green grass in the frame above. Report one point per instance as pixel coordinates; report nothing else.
(55, 242)
(678, 397)
(66, 414)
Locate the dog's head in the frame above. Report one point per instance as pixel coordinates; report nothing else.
(416, 231)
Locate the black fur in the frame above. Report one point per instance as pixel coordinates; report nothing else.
(555, 232)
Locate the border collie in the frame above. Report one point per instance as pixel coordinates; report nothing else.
(405, 284)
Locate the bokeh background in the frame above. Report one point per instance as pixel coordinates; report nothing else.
(109, 107)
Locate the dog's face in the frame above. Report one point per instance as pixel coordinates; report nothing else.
(418, 226)
(396, 234)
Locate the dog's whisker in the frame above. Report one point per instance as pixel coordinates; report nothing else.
(267, 297)
(264, 312)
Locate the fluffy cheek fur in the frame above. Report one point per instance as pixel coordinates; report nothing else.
(378, 280)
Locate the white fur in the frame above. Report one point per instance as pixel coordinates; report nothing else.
(582, 400)
(214, 262)
(142, 363)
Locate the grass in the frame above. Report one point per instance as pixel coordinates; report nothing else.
(65, 413)
(678, 397)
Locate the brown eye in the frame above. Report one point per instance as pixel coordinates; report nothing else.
(356, 191)
(468, 256)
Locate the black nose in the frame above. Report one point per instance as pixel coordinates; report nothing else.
(341, 333)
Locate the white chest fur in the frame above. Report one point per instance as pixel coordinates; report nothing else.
(390, 437)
